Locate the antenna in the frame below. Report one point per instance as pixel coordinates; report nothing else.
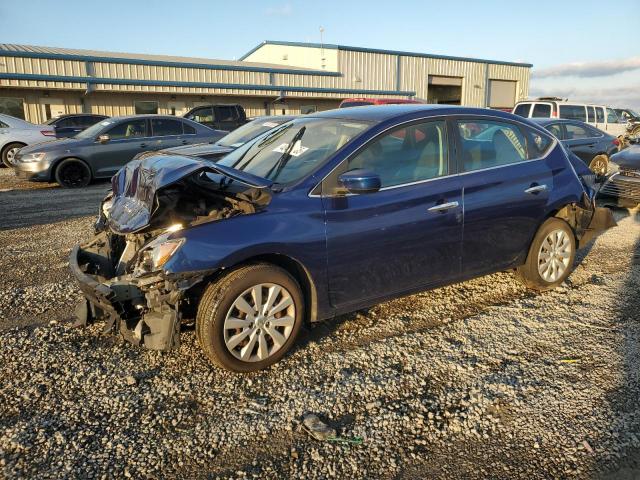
(322, 58)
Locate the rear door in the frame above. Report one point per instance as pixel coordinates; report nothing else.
(523, 109)
(165, 133)
(601, 121)
(581, 141)
(504, 189)
(614, 126)
(126, 140)
(403, 237)
(541, 110)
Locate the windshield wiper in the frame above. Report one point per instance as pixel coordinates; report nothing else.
(286, 155)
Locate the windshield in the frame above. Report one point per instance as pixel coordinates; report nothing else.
(247, 132)
(288, 153)
(94, 130)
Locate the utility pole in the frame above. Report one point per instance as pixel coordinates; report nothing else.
(322, 59)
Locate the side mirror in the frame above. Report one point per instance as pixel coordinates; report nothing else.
(360, 181)
(104, 138)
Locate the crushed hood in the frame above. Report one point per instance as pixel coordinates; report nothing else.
(137, 185)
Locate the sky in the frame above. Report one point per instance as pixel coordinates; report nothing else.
(584, 50)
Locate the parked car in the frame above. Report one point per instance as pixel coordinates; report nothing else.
(632, 119)
(623, 184)
(361, 102)
(327, 214)
(235, 139)
(594, 147)
(69, 125)
(599, 116)
(16, 133)
(219, 116)
(102, 149)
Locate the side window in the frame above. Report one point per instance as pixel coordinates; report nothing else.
(522, 109)
(88, 121)
(226, 114)
(556, 130)
(202, 115)
(541, 110)
(591, 114)
(537, 142)
(162, 127)
(573, 112)
(575, 132)
(599, 114)
(407, 154)
(490, 143)
(130, 129)
(611, 116)
(3, 125)
(67, 122)
(188, 129)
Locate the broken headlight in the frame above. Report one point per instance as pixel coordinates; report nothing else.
(156, 254)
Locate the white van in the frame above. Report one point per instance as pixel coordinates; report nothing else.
(599, 116)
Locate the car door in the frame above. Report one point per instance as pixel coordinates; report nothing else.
(203, 115)
(580, 140)
(504, 192)
(600, 119)
(403, 237)
(126, 140)
(166, 132)
(226, 117)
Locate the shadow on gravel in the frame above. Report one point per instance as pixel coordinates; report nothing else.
(28, 207)
(625, 410)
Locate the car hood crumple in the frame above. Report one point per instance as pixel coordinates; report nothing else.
(136, 185)
(200, 149)
(628, 158)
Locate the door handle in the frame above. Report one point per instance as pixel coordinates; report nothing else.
(443, 207)
(536, 189)
(143, 145)
(184, 142)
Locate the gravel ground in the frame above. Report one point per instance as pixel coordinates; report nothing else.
(478, 380)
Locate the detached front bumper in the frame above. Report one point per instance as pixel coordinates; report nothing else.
(144, 311)
(622, 187)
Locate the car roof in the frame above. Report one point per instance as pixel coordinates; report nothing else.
(547, 121)
(14, 120)
(380, 113)
(146, 116)
(283, 118)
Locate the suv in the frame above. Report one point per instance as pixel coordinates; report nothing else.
(220, 117)
(360, 102)
(599, 116)
(328, 214)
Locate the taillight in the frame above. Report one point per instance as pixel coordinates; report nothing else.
(616, 142)
(48, 133)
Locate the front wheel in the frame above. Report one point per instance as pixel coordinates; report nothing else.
(551, 256)
(248, 320)
(73, 173)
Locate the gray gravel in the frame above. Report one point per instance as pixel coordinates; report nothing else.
(478, 380)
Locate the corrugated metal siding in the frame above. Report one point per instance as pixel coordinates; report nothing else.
(508, 72)
(367, 71)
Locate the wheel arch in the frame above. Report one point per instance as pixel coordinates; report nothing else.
(292, 266)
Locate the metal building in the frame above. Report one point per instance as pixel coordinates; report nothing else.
(37, 83)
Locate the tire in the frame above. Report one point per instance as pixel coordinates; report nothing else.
(532, 274)
(636, 131)
(73, 173)
(599, 164)
(227, 334)
(8, 153)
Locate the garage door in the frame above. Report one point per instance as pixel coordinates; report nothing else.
(502, 93)
(444, 90)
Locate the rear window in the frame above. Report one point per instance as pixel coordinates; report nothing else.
(541, 110)
(522, 109)
(573, 112)
(591, 114)
(575, 132)
(354, 104)
(599, 114)
(537, 143)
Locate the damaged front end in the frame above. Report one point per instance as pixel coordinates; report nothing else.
(120, 271)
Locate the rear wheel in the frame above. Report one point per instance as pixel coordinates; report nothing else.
(250, 318)
(9, 153)
(599, 165)
(73, 173)
(551, 256)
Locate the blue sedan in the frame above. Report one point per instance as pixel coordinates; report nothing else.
(327, 214)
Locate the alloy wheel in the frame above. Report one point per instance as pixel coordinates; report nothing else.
(259, 322)
(74, 175)
(599, 165)
(11, 155)
(554, 255)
